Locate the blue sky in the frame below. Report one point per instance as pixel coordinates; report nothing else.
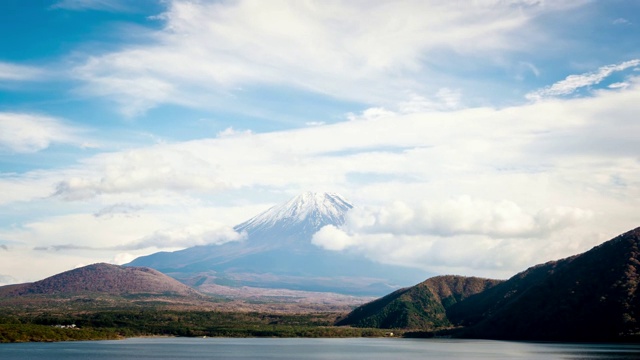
(474, 137)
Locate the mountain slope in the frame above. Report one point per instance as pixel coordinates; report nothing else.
(103, 279)
(593, 296)
(289, 226)
(277, 253)
(589, 297)
(422, 306)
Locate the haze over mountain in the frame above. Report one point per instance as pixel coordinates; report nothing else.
(277, 252)
(593, 296)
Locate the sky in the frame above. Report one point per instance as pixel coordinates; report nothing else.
(474, 137)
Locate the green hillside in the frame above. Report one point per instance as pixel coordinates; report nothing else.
(423, 306)
(590, 297)
(593, 296)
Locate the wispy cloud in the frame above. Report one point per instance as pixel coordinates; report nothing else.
(621, 21)
(468, 166)
(186, 237)
(102, 5)
(85, 235)
(434, 236)
(368, 52)
(15, 72)
(574, 82)
(170, 167)
(118, 209)
(28, 133)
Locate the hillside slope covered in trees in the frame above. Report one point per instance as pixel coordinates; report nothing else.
(422, 306)
(593, 296)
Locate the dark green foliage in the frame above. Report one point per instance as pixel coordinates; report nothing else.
(423, 306)
(589, 297)
(32, 332)
(127, 323)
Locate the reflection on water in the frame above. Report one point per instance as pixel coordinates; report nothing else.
(259, 348)
(592, 351)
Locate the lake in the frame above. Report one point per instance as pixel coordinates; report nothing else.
(353, 348)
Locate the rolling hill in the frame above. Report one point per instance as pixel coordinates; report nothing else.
(103, 279)
(101, 286)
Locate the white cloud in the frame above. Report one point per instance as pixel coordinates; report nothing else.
(574, 82)
(230, 131)
(82, 238)
(369, 52)
(464, 216)
(523, 68)
(164, 167)
(13, 72)
(118, 209)
(28, 133)
(618, 85)
(621, 21)
(443, 99)
(469, 235)
(530, 181)
(104, 5)
(191, 235)
(332, 238)
(371, 114)
(26, 187)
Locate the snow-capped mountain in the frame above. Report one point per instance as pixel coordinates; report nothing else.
(300, 217)
(277, 253)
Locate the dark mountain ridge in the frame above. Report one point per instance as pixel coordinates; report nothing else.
(422, 306)
(588, 297)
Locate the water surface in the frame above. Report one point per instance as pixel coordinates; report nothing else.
(356, 348)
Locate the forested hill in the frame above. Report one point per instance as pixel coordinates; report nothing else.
(419, 307)
(589, 297)
(593, 296)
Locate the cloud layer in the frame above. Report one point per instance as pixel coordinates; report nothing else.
(435, 118)
(15, 72)
(467, 229)
(450, 199)
(208, 52)
(28, 133)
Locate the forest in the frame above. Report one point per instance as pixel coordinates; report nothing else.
(117, 324)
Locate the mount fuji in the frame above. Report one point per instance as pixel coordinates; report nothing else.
(277, 253)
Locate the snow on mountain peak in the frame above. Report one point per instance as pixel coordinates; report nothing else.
(306, 213)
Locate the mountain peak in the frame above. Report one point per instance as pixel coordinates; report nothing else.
(278, 253)
(305, 204)
(305, 213)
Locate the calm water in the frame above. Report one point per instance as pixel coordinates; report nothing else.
(223, 348)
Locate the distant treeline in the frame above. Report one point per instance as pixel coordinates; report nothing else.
(126, 323)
